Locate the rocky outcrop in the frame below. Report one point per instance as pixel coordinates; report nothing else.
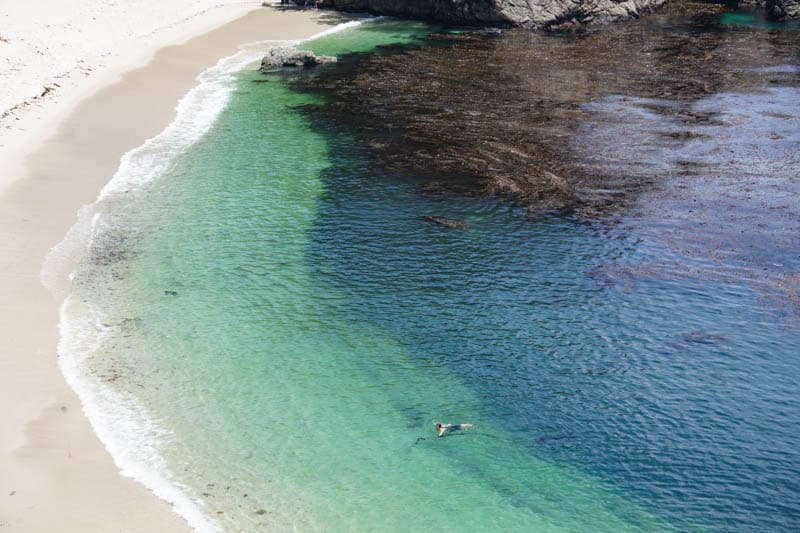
(783, 9)
(534, 13)
(292, 57)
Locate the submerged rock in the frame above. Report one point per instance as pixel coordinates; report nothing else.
(287, 56)
(447, 222)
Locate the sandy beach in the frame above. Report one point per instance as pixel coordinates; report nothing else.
(55, 475)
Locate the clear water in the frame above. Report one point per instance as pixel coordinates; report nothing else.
(294, 329)
(756, 19)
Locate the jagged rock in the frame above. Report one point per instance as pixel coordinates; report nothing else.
(447, 222)
(536, 13)
(292, 57)
(783, 9)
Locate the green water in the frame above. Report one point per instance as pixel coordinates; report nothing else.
(281, 410)
(756, 20)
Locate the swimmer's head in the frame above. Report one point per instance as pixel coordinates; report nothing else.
(438, 426)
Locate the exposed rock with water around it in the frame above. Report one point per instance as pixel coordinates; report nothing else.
(783, 9)
(286, 56)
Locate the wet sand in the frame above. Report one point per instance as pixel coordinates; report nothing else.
(55, 475)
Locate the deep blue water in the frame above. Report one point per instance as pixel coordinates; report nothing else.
(678, 389)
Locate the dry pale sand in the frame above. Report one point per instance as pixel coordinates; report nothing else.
(55, 475)
(57, 43)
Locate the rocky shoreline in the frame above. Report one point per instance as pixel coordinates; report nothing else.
(535, 13)
(783, 9)
(531, 14)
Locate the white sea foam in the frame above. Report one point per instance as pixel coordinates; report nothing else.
(341, 27)
(120, 421)
(118, 418)
(196, 113)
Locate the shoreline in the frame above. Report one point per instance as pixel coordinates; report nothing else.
(54, 471)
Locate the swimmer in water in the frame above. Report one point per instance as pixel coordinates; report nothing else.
(441, 429)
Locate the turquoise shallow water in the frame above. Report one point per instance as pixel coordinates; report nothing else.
(756, 19)
(295, 329)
